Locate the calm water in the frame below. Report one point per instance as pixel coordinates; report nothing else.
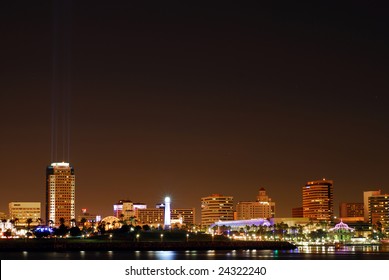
(312, 252)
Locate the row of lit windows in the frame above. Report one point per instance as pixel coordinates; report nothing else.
(26, 208)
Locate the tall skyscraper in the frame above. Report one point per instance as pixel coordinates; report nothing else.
(60, 193)
(216, 207)
(318, 200)
(366, 209)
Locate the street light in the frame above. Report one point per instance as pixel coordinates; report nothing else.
(137, 237)
(161, 237)
(187, 237)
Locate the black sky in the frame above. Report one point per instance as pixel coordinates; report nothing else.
(190, 100)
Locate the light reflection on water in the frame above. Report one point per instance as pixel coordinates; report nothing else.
(303, 252)
(82, 255)
(346, 249)
(165, 255)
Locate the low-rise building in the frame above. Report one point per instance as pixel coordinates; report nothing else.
(123, 210)
(187, 215)
(25, 213)
(351, 209)
(87, 219)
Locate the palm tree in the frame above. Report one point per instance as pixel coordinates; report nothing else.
(261, 230)
(39, 220)
(62, 229)
(12, 221)
(101, 227)
(28, 221)
(83, 221)
(283, 228)
(294, 231)
(133, 220)
(93, 225)
(121, 220)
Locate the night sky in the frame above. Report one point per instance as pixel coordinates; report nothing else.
(189, 100)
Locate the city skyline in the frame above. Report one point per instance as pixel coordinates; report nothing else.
(186, 101)
(335, 214)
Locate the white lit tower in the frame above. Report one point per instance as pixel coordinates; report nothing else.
(167, 213)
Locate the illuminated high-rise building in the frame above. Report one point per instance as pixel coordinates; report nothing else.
(263, 207)
(318, 200)
(366, 209)
(60, 193)
(379, 211)
(216, 207)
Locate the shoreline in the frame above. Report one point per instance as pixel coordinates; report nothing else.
(118, 245)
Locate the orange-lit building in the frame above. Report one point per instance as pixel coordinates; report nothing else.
(379, 211)
(90, 219)
(186, 214)
(216, 207)
(366, 208)
(60, 193)
(124, 210)
(150, 216)
(297, 212)
(351, 210)
(263, 207)
(22, 211)
(318, 200)
(155, 216)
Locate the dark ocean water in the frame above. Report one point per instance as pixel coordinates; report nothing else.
(369, 252)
